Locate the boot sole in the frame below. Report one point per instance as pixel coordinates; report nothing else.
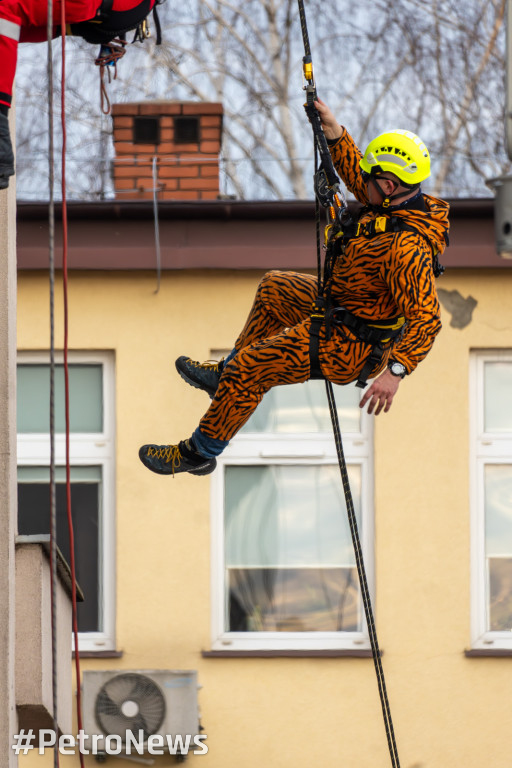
(204, 470)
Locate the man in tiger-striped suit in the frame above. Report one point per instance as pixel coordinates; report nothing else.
(382, 294)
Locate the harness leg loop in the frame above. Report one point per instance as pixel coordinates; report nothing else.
(317, 320)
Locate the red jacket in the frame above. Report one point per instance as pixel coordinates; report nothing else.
(25, 21)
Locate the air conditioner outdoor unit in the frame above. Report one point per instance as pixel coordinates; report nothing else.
(137, 711)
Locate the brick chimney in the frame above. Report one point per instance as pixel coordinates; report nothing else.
(185, 139)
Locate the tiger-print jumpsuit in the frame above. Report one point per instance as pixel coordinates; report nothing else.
(377, 278)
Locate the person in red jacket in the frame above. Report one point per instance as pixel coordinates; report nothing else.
(25, 21)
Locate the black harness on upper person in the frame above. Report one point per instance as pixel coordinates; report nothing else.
(108, 29)
(107, 25)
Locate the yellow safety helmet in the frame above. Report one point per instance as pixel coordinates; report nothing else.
(399, 152)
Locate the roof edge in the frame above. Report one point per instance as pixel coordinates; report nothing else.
(226, 210)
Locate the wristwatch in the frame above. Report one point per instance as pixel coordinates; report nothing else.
(397, 369)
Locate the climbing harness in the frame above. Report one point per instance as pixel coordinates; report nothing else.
(336, 239)
(379, 335)
(338, 215)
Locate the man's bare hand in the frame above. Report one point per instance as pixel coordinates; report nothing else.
(332, 128)
(381, 393)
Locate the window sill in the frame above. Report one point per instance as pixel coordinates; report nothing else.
(474, 653)
(100, 654)
(297, 654)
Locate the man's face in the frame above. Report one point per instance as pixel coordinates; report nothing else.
(382, 186)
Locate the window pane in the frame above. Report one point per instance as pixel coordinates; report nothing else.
(293, 600)
(27, 474)
(500, 594)
(34, 518)
(497, 399)
(498, 509)
(85, 398)
(498, 542)
(303, 408)
(288, 549)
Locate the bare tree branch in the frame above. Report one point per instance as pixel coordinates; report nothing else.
(435, 66)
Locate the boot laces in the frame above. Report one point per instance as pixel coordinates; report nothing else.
(169, 453)
(210, 365)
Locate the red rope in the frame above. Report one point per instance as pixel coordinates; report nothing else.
(107, 62)
(66, 374)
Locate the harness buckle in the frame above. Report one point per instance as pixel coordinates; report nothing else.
(381, 224)
(317, 319)
(373, 359)
(318, 312)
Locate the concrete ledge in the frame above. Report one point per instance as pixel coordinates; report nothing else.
(34, 667)
(327, 654)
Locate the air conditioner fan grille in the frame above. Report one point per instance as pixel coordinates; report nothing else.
(130, 702)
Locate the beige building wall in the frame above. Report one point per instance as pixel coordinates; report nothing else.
(448, 710)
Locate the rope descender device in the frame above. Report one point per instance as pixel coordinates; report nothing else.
(327, 185)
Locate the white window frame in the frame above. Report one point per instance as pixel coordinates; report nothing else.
(86, 449)
(293, 449)
(485, 448)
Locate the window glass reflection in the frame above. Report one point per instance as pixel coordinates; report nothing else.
(498, 542)
(288, 550)
(303, 408)
(500, 594)
(34, 519)
(498, 509)
(497, 399)
(85, 400)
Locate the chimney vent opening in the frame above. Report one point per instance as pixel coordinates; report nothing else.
(186, 130)
(146, 130)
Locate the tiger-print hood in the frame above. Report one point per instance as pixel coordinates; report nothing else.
(432, 223)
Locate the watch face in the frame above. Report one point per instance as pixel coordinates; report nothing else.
(397, 369)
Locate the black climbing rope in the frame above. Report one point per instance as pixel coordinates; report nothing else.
(332, 199)
(363, 582)
(53, 494)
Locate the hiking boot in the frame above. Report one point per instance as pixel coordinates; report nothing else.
(6, 153)
(200, 375)
(171, 459)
